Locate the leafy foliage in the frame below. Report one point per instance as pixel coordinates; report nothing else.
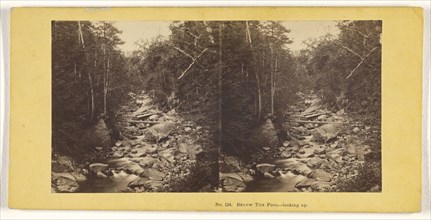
(87, 69)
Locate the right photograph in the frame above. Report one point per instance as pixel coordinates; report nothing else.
(300, 106)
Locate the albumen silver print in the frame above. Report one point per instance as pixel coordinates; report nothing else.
(216, 106)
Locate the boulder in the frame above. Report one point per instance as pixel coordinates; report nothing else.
(153, 185)
(132, 168)
(79, 177)
(187, 147)
(241, 176)
(147, 162)
(321, 175)
(138, 182)
(160, 131)
(265, 167)
(153, 174)
(294, 165)
(269, 133)
(231, 184)
(65, 184)
(230, 164)
(314, 162)
(320, 186)
(97, 136)
(305, 183)
(335, 157)
(168, 155)
(326, 132)
(98, 167)
(63, 164)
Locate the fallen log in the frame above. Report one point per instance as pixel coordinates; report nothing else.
(318, 122)
(145, 122)
(145, 115)
(314, 115)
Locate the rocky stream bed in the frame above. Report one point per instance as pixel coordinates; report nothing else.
(323, 147)
(157, 149)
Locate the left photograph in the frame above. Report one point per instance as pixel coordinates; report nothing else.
(128, 112)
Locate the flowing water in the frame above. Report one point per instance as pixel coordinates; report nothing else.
(115, 183)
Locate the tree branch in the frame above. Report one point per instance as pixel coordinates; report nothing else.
(188, 55)
(360, 63)
(351, 51)
(190, 66)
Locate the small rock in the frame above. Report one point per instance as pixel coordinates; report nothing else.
(154, 117)
(356, 130)
(79, 177)
(187, 129)
(319, 150)
(198, 128)
(322, 117)
(340, 112)
(309, 126)
(151, 150)
(99, 148)
(101, 175)
(351, 149)
(268, 175)
(334, 145)
(336, 157)
(323, 156)
(118, 143)
(302, 142)
(286, 143)
(117, 154)
(266, 148)
(285, 154)
(154, 155)
(168, 156)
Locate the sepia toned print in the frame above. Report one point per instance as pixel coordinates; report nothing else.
(210, 106)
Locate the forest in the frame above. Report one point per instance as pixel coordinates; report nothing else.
(216, 106)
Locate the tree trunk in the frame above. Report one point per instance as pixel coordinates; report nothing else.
(90, 78)
(259, 94)
(272, 78)
(220, 83)
(105, 87)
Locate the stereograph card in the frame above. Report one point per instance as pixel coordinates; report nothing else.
(288, 109)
